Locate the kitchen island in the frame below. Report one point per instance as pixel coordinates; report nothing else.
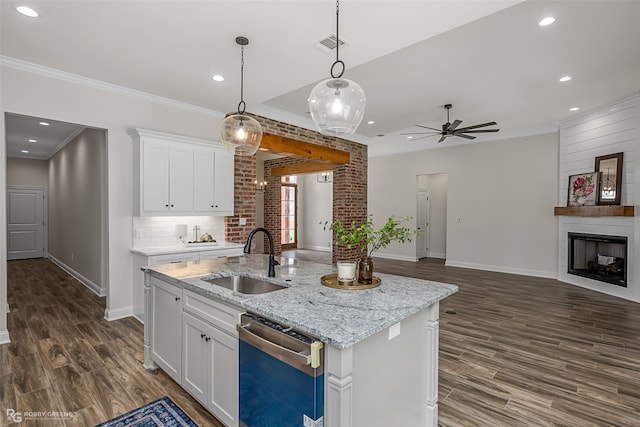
(381, 344)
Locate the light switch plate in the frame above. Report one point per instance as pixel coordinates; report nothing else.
(243, 221)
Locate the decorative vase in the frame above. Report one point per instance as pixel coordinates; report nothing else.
(365, 270)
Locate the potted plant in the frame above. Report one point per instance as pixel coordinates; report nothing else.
(368, 240)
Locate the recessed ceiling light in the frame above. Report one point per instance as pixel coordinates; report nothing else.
(565, 78)
(410, 137)
(27, 11)
(218, 78)
(33, 140)
(574, 108)
(24, 151)
(44, 123)
(370, 122)
(547, 21)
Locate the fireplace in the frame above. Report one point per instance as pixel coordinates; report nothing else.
(598, 257)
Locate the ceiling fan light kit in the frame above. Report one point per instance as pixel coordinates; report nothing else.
(452, 129)
(337, 104)
(241, 134)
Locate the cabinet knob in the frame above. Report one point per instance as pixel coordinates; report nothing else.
(202, 335)
(211, 205)
(166, 206)
(177, 298)
(207, 339)
(171, 205)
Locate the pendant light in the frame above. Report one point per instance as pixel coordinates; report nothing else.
(336, 104)
(241, 134)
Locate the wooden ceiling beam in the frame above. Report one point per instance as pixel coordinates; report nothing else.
(284, 145)
(302, 168)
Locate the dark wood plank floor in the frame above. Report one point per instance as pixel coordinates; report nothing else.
(65, 357)
(514, 351)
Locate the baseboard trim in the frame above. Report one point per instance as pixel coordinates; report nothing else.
(118, 313)
(93, 287)
(396, 257)
(436, 255)
(4, 337)
(316, 248)
(501, 269)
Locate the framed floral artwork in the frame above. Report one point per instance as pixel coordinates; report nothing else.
(583, 189)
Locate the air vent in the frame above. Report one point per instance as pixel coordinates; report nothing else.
(329, 43)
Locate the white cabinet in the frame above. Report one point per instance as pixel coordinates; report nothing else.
(166, 321)
(178, 175)
(210, 355)
(213, 181)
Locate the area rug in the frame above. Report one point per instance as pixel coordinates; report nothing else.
(161, 413)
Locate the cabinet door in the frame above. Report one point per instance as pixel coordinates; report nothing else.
(180, 178)
(203, 180)
(224, 181)
(166, 328)
(195, 356)
(155, 176)
(223, 377)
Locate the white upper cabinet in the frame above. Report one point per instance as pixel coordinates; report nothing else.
(213, 175)
(179, 175)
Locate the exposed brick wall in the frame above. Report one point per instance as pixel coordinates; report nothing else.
(244, 203)
(349, 186)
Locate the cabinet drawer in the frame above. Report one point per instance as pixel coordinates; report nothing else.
(221, 315)
(173, 258)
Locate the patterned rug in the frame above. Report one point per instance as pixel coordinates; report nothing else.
(161, 413)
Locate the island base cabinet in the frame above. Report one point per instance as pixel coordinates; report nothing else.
(210, 368)
(388, 379)
(166, 315)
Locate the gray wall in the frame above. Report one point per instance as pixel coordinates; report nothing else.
(27, 172)
(75, 210)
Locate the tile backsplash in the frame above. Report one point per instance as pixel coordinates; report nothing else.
(152, 232)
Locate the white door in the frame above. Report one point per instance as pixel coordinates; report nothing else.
(422, 218)
(25, 223)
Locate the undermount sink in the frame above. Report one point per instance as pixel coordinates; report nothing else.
(245, 285)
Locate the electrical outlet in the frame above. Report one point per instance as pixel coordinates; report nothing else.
(243, 221)
(72, 256)
(394, 331)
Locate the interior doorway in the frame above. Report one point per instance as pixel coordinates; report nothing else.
(431, 216)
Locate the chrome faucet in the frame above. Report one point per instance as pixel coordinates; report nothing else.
(272, 261)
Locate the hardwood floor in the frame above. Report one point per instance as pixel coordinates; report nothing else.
(65, 357)
(514, 351)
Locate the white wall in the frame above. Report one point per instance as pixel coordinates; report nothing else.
(73, 100)
(315, 205)
(76, 207)
(27, 172)
(503, 193)
(611, 129)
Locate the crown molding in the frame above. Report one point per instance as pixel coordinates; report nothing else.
(18, 64)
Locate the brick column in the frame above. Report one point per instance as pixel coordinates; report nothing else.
(244, 203)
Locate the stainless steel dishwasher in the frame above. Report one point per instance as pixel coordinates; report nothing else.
(281, 375)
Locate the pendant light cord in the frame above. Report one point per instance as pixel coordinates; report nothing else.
(242, 106)
(337, 45)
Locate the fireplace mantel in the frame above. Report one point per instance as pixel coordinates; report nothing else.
(593, 211)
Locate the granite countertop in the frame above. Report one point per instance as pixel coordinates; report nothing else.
(165, 250)
(339, 318)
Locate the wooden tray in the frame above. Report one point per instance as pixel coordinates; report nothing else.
(331, 280)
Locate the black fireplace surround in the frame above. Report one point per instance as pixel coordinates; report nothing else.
(598, 257)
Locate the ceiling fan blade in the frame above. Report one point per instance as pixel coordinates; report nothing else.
(454, 125)
(422, 137)
(427, 127)
(443, 138)
(481, 130)
(422, 133)
(464, 129)
(461, 135)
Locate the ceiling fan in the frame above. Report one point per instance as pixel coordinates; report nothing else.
(452, 129)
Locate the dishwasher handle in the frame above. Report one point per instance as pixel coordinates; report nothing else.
(308, 363)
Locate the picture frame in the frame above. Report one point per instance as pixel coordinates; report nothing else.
(583, 189)
(610, 168)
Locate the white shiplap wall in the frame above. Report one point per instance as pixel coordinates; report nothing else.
(611, 129)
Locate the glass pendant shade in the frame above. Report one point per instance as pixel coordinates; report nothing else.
(337, 106)
(241, 134)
